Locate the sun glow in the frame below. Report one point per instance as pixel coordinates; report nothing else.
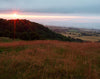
(15, 16)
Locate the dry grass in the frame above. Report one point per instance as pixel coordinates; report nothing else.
(85, 38)
(89, 38)
(49, 60)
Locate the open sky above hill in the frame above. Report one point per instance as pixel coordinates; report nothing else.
(75, 13)
(58, 6)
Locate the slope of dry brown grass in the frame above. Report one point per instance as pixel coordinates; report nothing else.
(49, 60)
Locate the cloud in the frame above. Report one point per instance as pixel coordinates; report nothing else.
(54, 6)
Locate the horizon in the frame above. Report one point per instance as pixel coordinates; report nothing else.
(81, 14)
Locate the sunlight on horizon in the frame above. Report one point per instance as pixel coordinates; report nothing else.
(72, 20)
(23, 16)
(39, 16)
(15, 15)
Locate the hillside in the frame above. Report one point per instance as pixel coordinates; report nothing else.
(45, 59)
(27, 30)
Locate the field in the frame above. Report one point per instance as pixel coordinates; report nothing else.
(46, 59)
(89, 38)
(92, 35)
(85, 38)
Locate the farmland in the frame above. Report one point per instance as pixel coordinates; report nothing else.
(92, 35)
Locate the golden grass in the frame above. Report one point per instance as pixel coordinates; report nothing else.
(90, 38)
(49, 60)
(85, 38)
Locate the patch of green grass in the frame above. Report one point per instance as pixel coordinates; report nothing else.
(6, 39)
(10, 49)
(60, 50)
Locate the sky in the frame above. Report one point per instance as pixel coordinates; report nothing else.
(74, 13)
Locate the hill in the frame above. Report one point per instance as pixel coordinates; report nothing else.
(27, 30)
(45, 59)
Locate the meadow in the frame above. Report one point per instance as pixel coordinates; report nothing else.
(49, 59)
(92, 38)
(85, 38)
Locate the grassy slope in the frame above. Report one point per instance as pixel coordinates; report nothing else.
(49, 60)
(6, 39)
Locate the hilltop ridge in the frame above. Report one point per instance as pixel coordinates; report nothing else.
(27, 30)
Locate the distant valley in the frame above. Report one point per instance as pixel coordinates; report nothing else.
(80, 33)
